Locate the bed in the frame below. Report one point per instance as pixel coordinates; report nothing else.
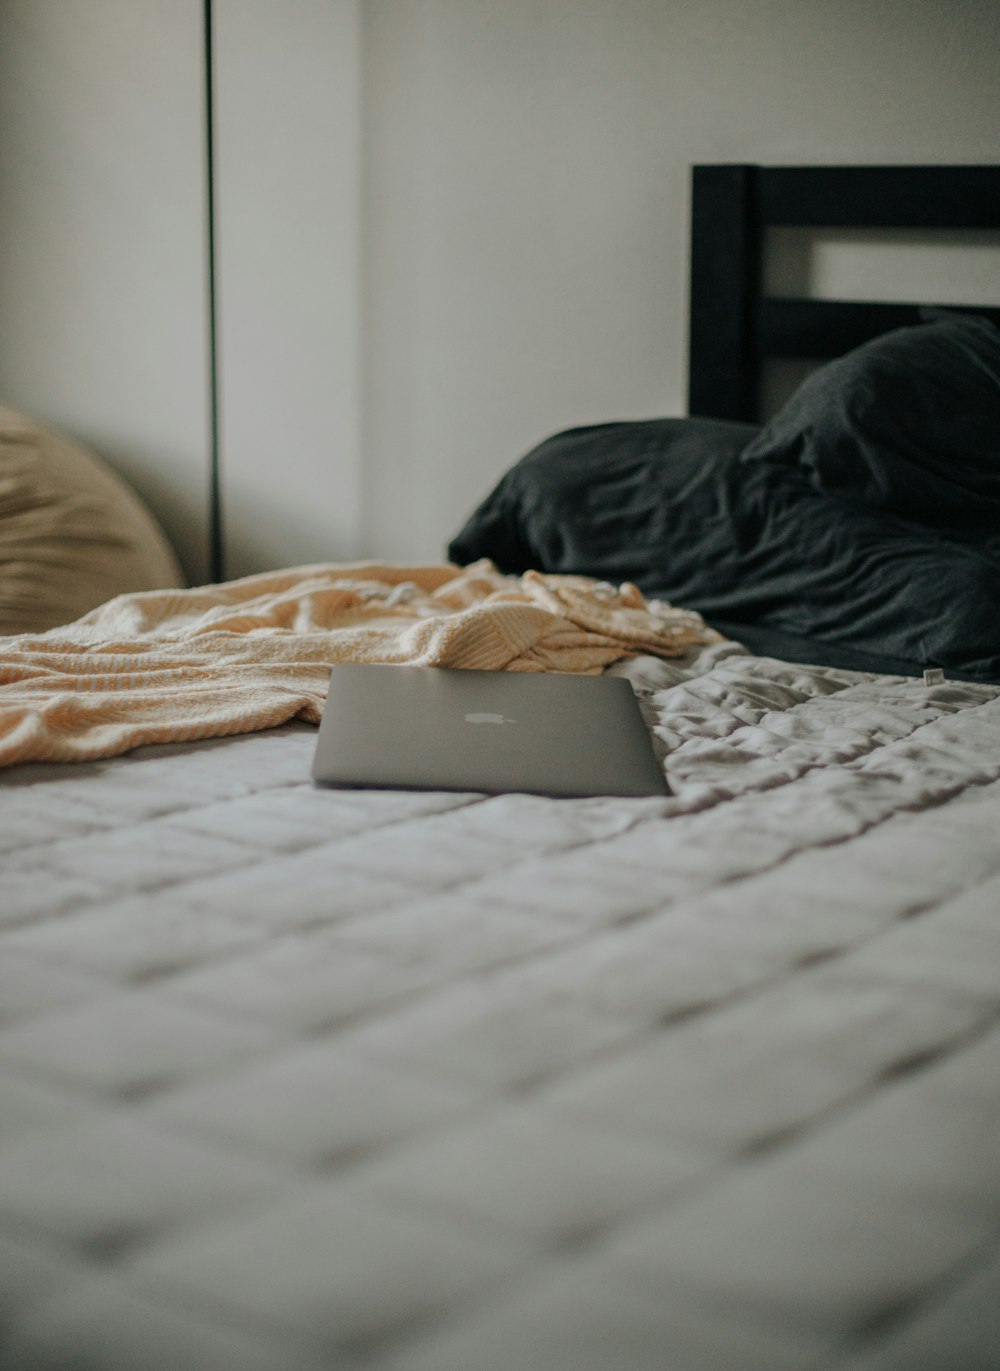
(295, 1079)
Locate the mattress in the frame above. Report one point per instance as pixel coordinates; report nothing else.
(295, 1079)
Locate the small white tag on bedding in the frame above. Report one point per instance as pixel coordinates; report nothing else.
(933, 676)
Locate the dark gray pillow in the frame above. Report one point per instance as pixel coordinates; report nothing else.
(755, 545)
(908, 423)
(642, 500)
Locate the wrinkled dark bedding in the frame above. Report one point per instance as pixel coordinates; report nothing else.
(860, 527)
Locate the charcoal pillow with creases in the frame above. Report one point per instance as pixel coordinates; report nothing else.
(873, 560)
(643, 501)
(907, 423)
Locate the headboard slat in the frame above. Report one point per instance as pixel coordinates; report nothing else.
(827, 328)
(880, 197)
(725, 253)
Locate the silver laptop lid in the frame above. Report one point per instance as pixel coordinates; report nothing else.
(437, 728)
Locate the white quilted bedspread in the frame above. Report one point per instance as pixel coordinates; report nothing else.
(301, 1080)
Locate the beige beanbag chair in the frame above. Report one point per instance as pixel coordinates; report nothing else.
(72, 534)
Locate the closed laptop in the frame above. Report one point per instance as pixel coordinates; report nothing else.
(438, 728)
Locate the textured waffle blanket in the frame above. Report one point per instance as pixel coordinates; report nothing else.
(172, 666)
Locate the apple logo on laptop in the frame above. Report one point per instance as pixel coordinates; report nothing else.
(488, 719)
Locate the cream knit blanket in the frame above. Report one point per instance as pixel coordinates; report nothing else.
(176, 665)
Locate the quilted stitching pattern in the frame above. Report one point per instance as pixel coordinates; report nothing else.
(294, 1079)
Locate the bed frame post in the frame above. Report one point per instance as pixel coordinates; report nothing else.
(725, 272)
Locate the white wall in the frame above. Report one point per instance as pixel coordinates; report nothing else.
(527, 199)
(288, 143)
(102, 228)
(446, 228)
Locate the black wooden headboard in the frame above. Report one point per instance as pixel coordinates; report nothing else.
(734, 327)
